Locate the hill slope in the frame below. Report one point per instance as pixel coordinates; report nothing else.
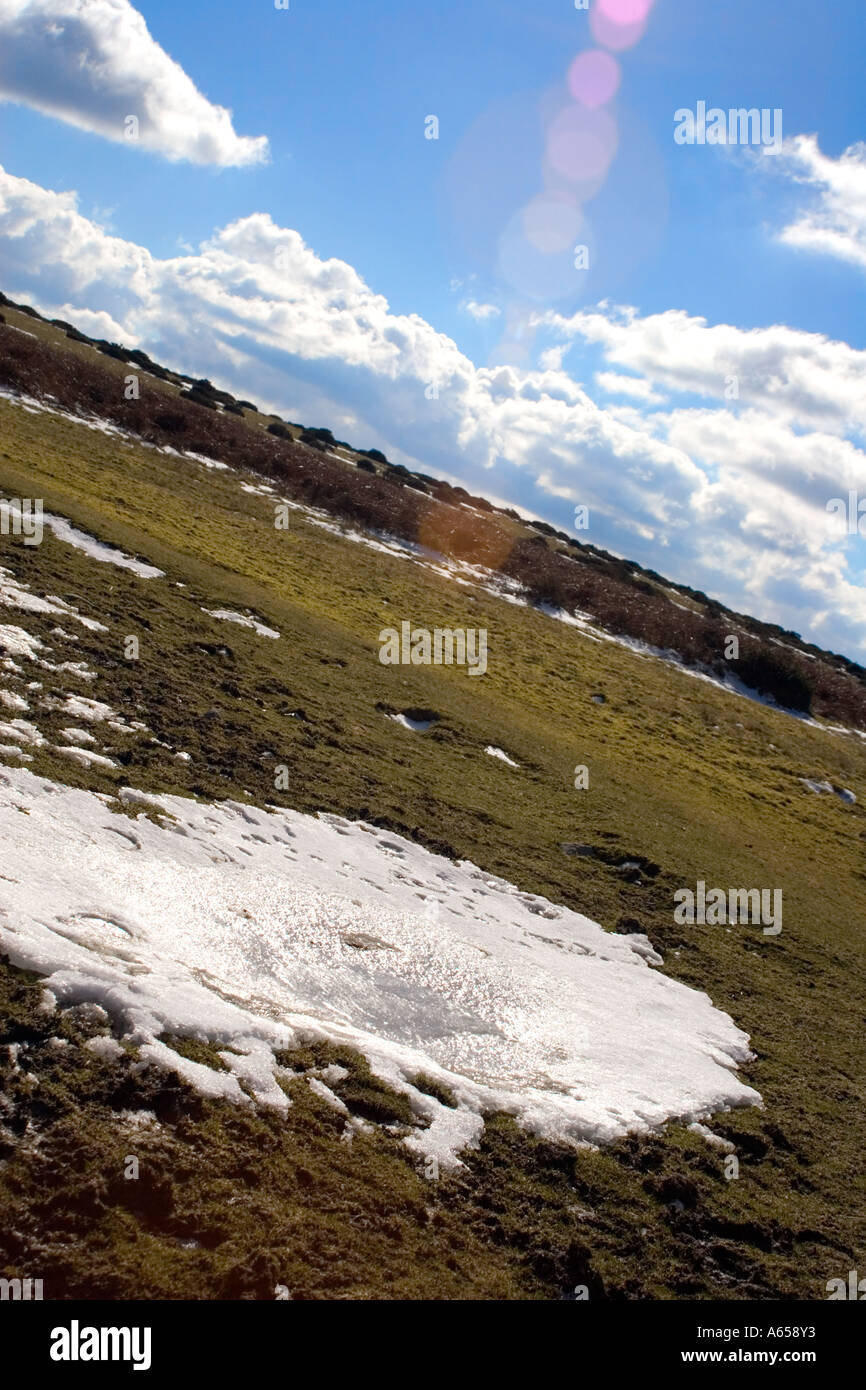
(687, 781)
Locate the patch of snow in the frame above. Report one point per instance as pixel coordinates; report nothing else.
(226, 923)
(90, 623)
(73, 668)
(139, 1119)
(98, 550)
(334, 1073)
(216, 1085)
(417, 726)
(327, 1095)
(355, 1125)
(77, 736)
(16, 595)
(105, 1047)
(86, 758)
(80, 707)
(22, 730)
(252, 1062)
(12, 700)
(13, 750)
(244, 619)
(498, 753)
(711, 1138)
(193, 458)
(819, 787)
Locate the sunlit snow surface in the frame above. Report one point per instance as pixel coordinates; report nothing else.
(257, 928)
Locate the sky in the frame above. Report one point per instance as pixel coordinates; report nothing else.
(475, 235)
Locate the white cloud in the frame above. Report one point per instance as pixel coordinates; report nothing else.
(615, 384)
(728, 496)
(802, 377)
(93, 64)
(480, 311)
(835, 225)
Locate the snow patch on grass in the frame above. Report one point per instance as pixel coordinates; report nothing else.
(98, 550)
(244, 619)
(16, 595)
(22, 730)
(79, 736)
(499, 753)
(86, 758)
(12, 700)
(18, 642)
(416, 726)
(819, 788)
(229, 924)
(12, 750)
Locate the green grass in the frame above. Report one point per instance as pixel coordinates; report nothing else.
(702, 784)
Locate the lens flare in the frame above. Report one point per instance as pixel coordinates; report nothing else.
(551, 222)
(618, 24)
(624, 11)
(594, 77)
(581, 142)
(535, 258)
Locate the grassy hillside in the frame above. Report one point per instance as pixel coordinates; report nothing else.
(56, 363)
(686, 780)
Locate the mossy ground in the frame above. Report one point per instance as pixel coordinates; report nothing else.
(690, 780)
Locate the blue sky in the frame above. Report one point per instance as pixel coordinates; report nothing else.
(342, 90)
(731, 262)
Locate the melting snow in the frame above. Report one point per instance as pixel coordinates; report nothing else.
(234, 924)
(12, 700)
(418, 726)
(73, 735)
(245, 621)
(86, 757)
(19, 642)
(13, 750)
(80, 707)
(98, 550)
(842, 792)
(21, 729)
(16, 595)
(327, 1095)
(498, 753)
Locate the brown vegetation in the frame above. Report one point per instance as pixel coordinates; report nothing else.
(552, 568)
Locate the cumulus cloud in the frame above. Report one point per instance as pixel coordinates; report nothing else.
(835, 224)
(727, 494)
(802, 377)
(94, 64)
(615, 384)
(480, 311)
